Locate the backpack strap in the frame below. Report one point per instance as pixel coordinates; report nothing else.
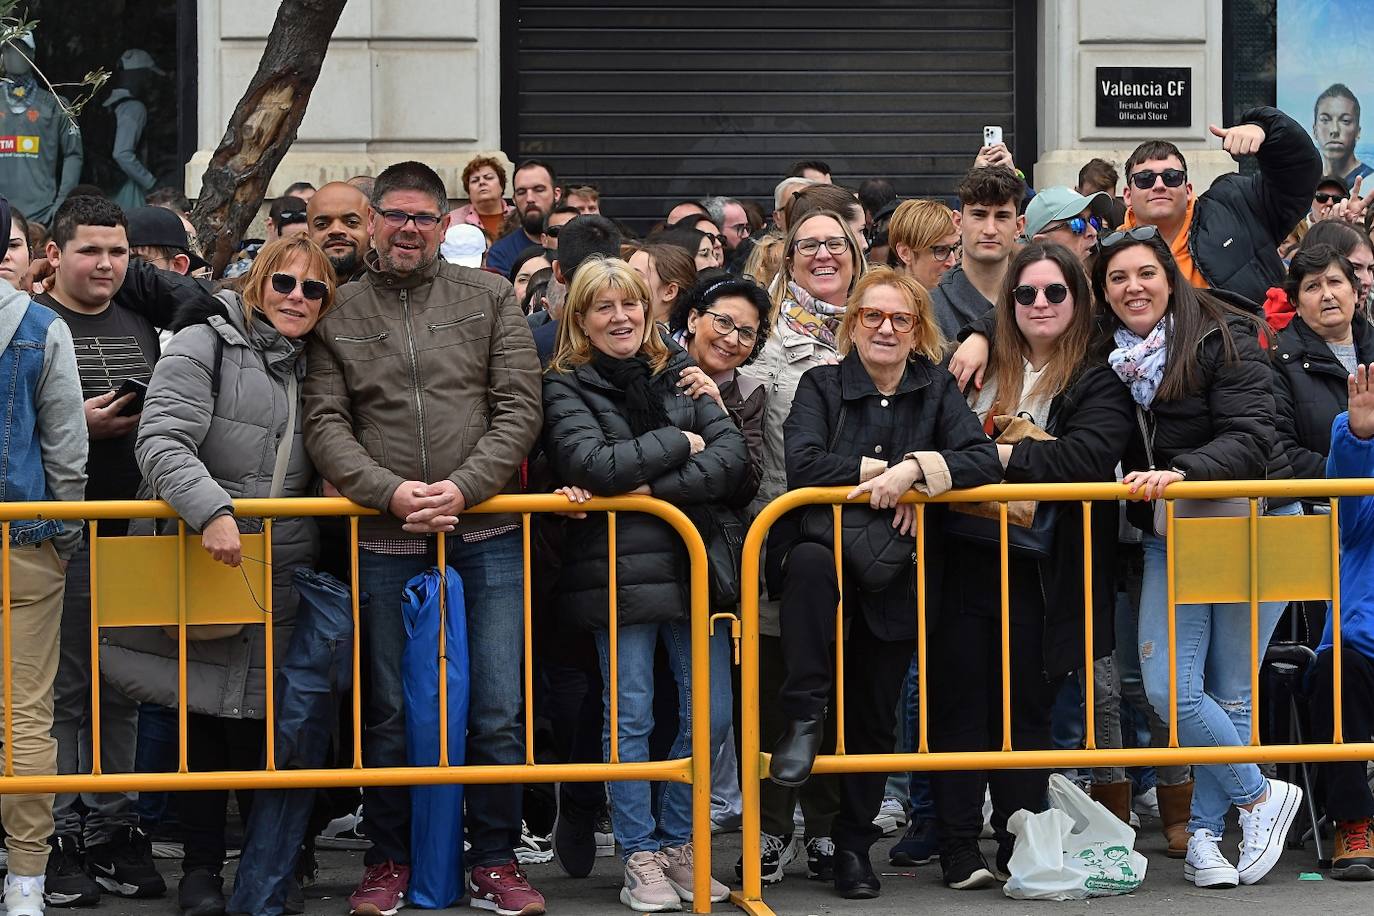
(215, 369)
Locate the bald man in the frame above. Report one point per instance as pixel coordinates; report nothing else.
(337, 218)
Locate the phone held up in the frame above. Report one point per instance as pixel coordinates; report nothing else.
(992, 135)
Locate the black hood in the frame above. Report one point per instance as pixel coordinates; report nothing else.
(200, 309)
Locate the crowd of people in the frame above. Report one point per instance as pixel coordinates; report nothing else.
(420, 360)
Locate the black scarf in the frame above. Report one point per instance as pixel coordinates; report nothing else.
(643, 399)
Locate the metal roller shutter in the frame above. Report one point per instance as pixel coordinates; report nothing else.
(656, 100)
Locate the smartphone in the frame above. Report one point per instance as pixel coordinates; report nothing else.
(139, 390)
(992, 135)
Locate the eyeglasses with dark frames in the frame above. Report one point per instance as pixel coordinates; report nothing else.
(942, 252)
(1145, 178)
(398, 218)
(809, 247)
(1025, 294)
(725, 326)
(1139, 234)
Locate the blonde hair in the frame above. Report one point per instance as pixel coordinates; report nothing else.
(784, 278)
(595, 276)
(928, 341)
(275, 255)
(765, 260)
(918, 224)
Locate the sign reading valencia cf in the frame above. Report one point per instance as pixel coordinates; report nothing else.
(1144, 96)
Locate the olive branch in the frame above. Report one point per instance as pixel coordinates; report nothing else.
(14, 26)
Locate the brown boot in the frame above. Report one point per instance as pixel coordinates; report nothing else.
(1115, 797)
(1175, 808)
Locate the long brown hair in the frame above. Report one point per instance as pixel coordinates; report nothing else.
(1009, 347)
(594, 276)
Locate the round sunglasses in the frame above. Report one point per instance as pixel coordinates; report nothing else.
(1025, 294)
(285, 284)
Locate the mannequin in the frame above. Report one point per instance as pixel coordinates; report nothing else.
(136, 69)
(40, 147)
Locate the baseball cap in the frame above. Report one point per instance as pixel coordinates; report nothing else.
(463, 244)
(1337, 180)
(287, 211)
(139, 59)
(1050, 205)
(162, 228)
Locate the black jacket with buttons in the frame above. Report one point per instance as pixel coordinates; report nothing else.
(1310, 390)
(838, 419)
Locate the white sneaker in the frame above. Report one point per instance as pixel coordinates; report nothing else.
(1205, 866)
(891, 815)
(1263, 830)
(344, 832)
(24, 895)
(1146, 803)
(646, 888)
(678, 869)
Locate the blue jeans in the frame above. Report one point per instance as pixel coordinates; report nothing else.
(1213, 683)
(920, 802)
(632, 807)
(493, 583)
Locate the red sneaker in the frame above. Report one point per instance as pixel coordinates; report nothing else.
(504, 890)
(382, 891)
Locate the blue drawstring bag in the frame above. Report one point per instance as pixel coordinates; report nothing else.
(436, 823)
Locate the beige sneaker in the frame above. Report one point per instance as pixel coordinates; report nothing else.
(678, 869)
(646, 890)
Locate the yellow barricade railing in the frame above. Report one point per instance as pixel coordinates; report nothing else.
(1243, 560)
(184, 587)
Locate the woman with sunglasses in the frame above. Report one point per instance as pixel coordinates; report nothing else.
(1045, 370)
(1205, 411)
(222, 421)
(822, 260)
(923, 241)
(886, 420)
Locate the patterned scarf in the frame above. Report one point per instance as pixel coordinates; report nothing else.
(808, 315)
(1140, 363)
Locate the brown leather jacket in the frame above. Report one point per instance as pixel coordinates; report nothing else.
(423, 377)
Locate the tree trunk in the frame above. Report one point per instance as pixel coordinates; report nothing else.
(263, 126)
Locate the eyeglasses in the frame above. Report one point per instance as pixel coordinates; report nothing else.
(285, 284)
(809, 247)
(1078, 225)
(874, 318)
(1025, 294)
(398, 218)
(942, 252)
(1145, 178)
(725, 325)
(740, 229)
(552, 231)
(1139, 234)
(715, 239)
(1328, 197)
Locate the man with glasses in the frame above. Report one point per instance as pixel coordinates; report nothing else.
(422, 398)
(1065, 217)
(536, 193)
(1228, 237)
(729, 215)
(559, 217)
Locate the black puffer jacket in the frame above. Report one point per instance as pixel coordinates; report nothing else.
(1092, 421)
(1310, 390)
(1240, 220)
(1223, 430)
(588, 442)
(839, 420)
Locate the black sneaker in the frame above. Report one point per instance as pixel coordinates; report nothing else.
(964, 866)
(66, 882)
(124, 866)
(919, 845)
(775, 854)
(820, 858)
(201, 894)
(1002, 869)
(574, 840)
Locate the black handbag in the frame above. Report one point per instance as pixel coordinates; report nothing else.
(722, 532)
(982, 525)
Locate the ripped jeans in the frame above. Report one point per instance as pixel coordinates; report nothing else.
(1213, 643)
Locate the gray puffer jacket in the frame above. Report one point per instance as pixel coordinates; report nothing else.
(199, 453)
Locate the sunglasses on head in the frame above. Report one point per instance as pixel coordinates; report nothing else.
(285, 284)
(1025, 294)
(1139, 234)
(1145, 178)
(1328, 197)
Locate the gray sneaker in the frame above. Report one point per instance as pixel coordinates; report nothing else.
(646, 888)
(679, 870)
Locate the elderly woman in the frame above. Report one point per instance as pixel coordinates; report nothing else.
(221, 422)
(885, 420)
(616, 423)
(487, 209)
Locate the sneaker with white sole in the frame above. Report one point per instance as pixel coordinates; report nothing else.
(1264, 829)
(775, 854)
(1205, 866)
(533, 849)
(891, 815)
(605, 836)
(24, 895)
(344, 832)
(679, 869)
(1146, 804)
(646, 888)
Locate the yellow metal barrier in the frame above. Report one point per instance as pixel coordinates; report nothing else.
(124, 593)
(1242, 560)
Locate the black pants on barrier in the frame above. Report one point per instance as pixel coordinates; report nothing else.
(820, 795)
(1347, 794)
(213, 743)
(964, 686)
(873, 673)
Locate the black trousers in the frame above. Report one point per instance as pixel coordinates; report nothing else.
(964, 687)
(820, 795)
(1346, 786)
(213, 743)
(873, 673)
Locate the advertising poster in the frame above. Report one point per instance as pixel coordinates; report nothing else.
(1326, 79)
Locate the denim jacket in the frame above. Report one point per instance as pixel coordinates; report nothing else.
(43, 440)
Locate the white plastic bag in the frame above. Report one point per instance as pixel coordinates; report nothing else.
(1076, 849)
